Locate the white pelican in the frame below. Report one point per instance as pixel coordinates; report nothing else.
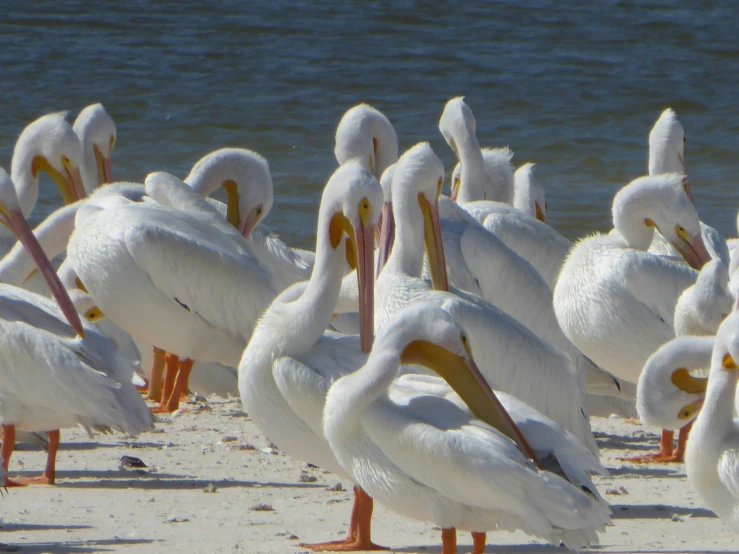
(711, 455)
(97, 133)
(535, 241)
(667, 155)
(290, 363)
(245, 177)
(667, 395)
(180, 278)
(52, 378)
(426, 457)
(614, 300)
(366, 135)
(529, 197)
(510, 356)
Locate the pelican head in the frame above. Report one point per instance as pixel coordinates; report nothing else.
(704, 305)
(246, 178)
(365, 134)
(529, 194)
(668, 396)
(456, 123)
(12, 217)
(50, 143)
(418, 178)
(660, 202)
(424, 334)
(97, 134)
(667, 147)
(351, 203)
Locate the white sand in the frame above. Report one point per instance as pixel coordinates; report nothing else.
(95, 507)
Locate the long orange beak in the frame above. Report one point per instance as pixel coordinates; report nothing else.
(434, 243)
(105, 174)
(73, 180)
(365, 242)
(19, 226)
(694, 252)
(387, 235)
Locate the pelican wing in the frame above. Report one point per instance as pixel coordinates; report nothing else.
(200, 276)
(442, 447)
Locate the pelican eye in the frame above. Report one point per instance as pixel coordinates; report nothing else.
(681, 232)
(685, 139)
(65, 161)
(259, 210)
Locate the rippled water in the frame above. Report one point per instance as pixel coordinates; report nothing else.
(574, 89)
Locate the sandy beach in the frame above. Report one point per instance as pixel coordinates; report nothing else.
(214, 484)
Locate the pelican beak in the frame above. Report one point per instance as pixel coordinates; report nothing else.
(103, 164)
(693, 250)
(684, 381)
(17, 223)
(728, 362)
(73, 181)
(465, 378)
(364, 250)
(540, 213)
(387, 235)
(434, 243)
(251, 221)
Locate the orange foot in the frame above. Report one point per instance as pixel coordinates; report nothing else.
(40, 480)
(9, 483)
(655, 458)
(345, 545)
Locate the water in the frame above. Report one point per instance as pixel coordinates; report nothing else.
(574, 89)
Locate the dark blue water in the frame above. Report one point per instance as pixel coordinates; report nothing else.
(574, 89)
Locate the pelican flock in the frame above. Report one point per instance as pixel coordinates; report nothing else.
(438, 352)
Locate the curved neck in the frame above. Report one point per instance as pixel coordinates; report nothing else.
(631, 217)
(407, 252)
(303, 321)
(353, 393)
(472, 186)
(523, 199)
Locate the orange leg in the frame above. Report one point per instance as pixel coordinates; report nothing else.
(6, 451)
(360, 528)
(173, 363)
(49, 475)
(449, 541)
(155, 378)
(663, 455)
(682, 442)
(478, 543)
(180, 385)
